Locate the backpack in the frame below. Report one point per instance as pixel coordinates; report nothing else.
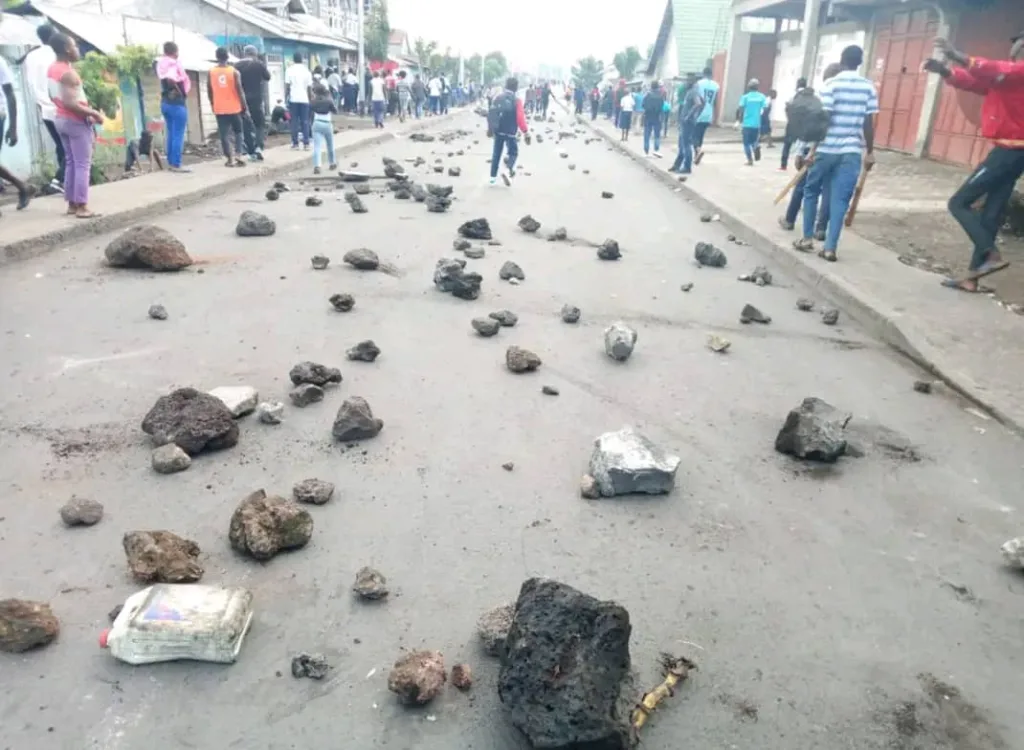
(808, 119)
(502, 106)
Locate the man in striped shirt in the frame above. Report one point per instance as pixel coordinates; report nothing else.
(848, 146)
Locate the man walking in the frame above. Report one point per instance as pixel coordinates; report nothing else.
(691, 104)
(227, 101)
(653, 104)
(848, 146)
(787, 138)
(298, 89)
(545, 99)
(37, 63)
(1001, 82)
(9, 134)
(595, 102)
(709, 93)
(404, 89)
(419, 95)
(579, 96)
(254, 74)
(748, 114)
(434, 91)
(504, 121)
(378, 99)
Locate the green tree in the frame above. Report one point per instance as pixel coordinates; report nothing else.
(474, 67)
(626, 62)
(377, 32)
(588, 72)
(497, 62)
(423, 50)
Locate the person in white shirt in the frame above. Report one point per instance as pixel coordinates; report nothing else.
(9, 128)
(626, 113)
(298, 86)
(434, 94)
(378, 100)
(37, 63)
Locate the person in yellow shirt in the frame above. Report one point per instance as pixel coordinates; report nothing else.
(227, 98)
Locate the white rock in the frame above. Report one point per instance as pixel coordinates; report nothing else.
(270, 412)
(1013, 552)
(619, 340)
(626, 463)
(240, 399)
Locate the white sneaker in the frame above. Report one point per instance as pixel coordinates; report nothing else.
(56, 186)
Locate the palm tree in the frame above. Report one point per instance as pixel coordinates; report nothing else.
(588, 72)
(626, 62)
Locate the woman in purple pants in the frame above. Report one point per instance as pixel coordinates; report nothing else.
(73, 123)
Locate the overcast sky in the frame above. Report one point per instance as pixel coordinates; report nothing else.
(531, 32)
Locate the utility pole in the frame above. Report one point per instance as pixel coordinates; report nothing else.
(360, 75)
(483, 71)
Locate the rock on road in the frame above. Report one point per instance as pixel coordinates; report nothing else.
(826, 607)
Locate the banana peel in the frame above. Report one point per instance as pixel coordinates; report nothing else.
(677, 669)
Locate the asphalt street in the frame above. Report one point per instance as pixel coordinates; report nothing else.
(864, 606)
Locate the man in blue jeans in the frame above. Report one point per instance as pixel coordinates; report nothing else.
(691, 104)
(505, 119)
(849, 145)
(748, 114)
(653, 104)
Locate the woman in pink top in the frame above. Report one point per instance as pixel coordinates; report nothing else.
(74, 123)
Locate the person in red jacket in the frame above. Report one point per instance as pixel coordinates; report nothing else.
(504, 121)
(1001, 82)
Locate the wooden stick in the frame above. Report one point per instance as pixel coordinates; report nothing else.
(797, 177)
(855, 201)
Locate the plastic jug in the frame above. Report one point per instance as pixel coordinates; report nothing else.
(170, 621)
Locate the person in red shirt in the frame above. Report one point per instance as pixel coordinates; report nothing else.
(504, 121)
(1001, 82)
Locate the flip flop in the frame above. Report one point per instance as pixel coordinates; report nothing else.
(987, 269)
(958, 285)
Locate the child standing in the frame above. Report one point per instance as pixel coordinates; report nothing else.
(323, 108)
(626, 113)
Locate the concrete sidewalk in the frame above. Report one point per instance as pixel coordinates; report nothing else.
(971, 342)
(44, 225)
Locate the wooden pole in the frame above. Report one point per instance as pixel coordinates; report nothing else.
(797, 177)
(855, 201)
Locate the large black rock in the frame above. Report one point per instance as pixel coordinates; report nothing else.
(476, 229)
(192, 420)
(564, 678)
(815, 431)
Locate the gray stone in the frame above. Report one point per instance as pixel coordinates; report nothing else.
(529, 224)
(355, 421)
(565, 677)
(521, 360)
(805, 304)
(356, 203)
(461, 245)
(272, 195)
(760, 276)
(80, 511)
(718, 343)
(418, 677)
(589, 488)
(362, 259)
(571, 314)
(625, 463)
(493, 627)
(313, 666)
(454, 171)
(170, 459)
(342, 302)
(361, 188)
(26, 625)
(403, 194)
(370, 584)
(419, 194)
(706, 218)
(270, 412)
(462, 675)
(750, 314)
(485, 326)
(263, 525)
(830, 316)
(476, 229)
(1012, 551)
(319, 262)
(149, 247)
(364, 351)
(193, 420)
(158, 312)
(253, 224)
(450, 276)
(707, 254)
(619, 341)
(815, 431)
(609, 250)
(510, 270)
(312, 372)
(572, 167)
(559, 235)
(507, 318)
(923, 386)
(313, 491)
(314, 201)
(606, 194)
(305, 394)
(162, 557)
(438, 205)
(475, 253)
(549, 390)
(687, 286)
(239, 399)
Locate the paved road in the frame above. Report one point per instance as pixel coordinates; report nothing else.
(820, 605)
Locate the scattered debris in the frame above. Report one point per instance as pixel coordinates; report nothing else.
(485, 326)
(476, 229)
(607, 194)
(619, 341)
(362, 188)
(420, 138)
(461, 245)
(170, 459)
(815, 431)
(313, 491)
(370, 584)
(521, 360)
(805, 304)
(760, 276)
(403, 194)
(508, 466)
(686, 286)
(281, 187)
(609, 250)
(158, 312)
(162, 557)
(253, 224)
(454, 171)
(559, 235)
(718, 344)
(80, 511)
(923, 386)
(314, 373)
(305, 394)
(1012, 550)
(147, 246)
(342, 302)
(193, 420)
(462, 676)
(26, 625)
(362, 259)
(450, 275)
(270, 412)
(625, 463)
(705, 218)
(419, 193)
(355, 421)
(549, 390)
(863, 436)
(571, 314)
(392, 168)
(750, 314)
(272, 195)
(507, 318)
(364, 351)
(830, 316)
(707, 254)
(313, 666)
(320, 262)
(572, 167)
(313, 201)
(239, 399)
(355, 202)
(263, 525)
(493, 626)
(677, 669)
(529, 224)
(475, 253)
(418, 677)
(511, 270)
(547, 677)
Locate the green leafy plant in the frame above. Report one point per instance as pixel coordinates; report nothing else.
(626, 62)
(377, 32)
(588, 72)
(100, 74)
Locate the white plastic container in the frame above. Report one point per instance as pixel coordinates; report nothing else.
(170, 621)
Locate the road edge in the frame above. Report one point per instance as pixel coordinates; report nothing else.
(867, 310)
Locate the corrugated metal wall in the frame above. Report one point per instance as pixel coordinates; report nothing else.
(701, 28)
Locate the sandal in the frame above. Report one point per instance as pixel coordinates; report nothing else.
(828, 255)
(87, 215)
(804, 245)
(958, 284)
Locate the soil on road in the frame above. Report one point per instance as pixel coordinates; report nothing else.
(862, 606)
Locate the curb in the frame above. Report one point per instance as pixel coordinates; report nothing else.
(872, 313)
(43, 243)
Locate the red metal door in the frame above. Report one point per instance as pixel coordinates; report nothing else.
(902, 43)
